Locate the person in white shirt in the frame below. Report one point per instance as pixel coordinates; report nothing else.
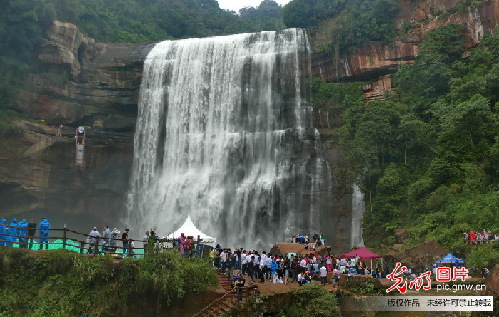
(244, 262)
(223, 259)
(323, 274)
(303, 265)
(301, 279)
(263, 264)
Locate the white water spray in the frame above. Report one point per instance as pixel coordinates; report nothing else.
(224, 134)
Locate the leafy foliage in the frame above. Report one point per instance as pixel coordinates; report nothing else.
(356, 21)
(427, 156)
(315, 301)
(23, 24)
(267, 16)
(311, 300)
(62, 283)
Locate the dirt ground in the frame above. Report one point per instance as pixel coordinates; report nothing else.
(269, 288)
(298, 248)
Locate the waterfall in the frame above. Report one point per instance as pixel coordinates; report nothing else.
(224, 134)
(358, 206)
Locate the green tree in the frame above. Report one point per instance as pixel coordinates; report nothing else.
(427, 158)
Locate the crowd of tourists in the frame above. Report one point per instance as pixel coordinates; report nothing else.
(243, 265)
(477, 237)
(253, 266)
(24, 233)
(318, 240)
(108, 240)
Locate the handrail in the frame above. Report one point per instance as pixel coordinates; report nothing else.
(34, 240)
(213, 303)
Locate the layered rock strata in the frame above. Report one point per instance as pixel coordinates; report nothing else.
(375, 59)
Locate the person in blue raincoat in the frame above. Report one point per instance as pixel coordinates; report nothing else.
(273, 267)
(44, 228)
(12, 231)
(23, 228)
(3, 231)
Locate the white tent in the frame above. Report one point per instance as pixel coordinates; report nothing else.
(189, 229)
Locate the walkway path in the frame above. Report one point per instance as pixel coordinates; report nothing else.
(223, 303)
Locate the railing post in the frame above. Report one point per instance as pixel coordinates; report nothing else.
(197, 246)
(64, 236)
(82, 244)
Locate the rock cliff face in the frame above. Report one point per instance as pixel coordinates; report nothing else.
(83, 82)
(97, 85)
(376, 59)
(44, 176)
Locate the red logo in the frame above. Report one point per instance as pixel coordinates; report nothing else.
(401, 284)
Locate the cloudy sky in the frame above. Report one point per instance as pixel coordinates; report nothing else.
(235, 5)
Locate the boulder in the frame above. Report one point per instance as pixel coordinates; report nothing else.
(492, 281)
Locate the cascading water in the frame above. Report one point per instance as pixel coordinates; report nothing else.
(224, 134)
(358, 207)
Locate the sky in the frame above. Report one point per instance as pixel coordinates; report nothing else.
(235, 5)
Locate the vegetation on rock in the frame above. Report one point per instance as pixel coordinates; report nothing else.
(23, 24)
(311, 300)
(353, 22)
(63, 283)
(427, 156)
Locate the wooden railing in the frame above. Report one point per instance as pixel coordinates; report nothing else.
(75, 240)
(247, 291)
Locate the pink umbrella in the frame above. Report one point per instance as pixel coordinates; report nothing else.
(363, 253)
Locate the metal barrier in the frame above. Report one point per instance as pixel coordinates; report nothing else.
(72, 240)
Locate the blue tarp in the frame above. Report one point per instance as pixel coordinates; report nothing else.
(449, 259)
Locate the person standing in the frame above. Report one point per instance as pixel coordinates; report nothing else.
(124, 239)
(230, 264)
(336, 276)
(189, 244)
(212, 255)
(94, 237)
(12, 232)
(107, 235)
(23, 228)
(3, 231)
(223, 260)
(80, 135)
(251, 268)
(31, 232)
(329, 263)
(243, 261)
(237, 254)
(115, 237)
(44, 228)
(145, 241)
(181, 242)
(323, 273)
(323, 239)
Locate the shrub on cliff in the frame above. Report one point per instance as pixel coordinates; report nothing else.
(63, 283)
(427, 157)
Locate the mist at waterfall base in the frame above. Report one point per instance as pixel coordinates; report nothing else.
(225, 134)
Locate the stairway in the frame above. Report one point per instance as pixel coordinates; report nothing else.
(221, 304)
